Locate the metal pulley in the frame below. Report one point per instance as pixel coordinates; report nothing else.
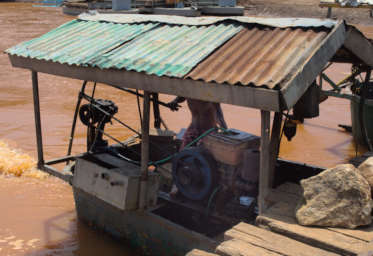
(193, 172)
(95, 115)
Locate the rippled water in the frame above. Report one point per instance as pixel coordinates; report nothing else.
(37, 215)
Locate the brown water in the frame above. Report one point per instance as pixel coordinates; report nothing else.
(37, 215)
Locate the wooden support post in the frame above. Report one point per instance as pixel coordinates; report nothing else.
(39, 140)
(264, 160)
(274, 146)
(144, 150)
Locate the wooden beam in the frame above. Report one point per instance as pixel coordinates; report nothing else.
(259, 98)
(307, 73)
(359, 45)
(264, 175)
(274, 146)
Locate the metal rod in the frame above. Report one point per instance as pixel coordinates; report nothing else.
(71, 139)
(141, 95)
(144, 150)
(39, 139)
(60, 160)
(157, 114)
(90, 99)
(53, 171)
(363, 127)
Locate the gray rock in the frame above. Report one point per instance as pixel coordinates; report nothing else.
(337, 197)
(366, 169)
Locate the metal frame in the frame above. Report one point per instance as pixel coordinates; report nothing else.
(266, 100)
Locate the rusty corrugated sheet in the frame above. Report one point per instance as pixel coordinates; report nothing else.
(259, 56)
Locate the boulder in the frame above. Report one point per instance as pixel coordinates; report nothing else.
(366, 169)
(337, 197)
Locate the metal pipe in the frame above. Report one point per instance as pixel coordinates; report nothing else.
(141, 95)
(71, 139)
(39, 139)
(144, 150)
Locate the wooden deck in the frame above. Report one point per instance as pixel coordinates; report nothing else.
(277, 233)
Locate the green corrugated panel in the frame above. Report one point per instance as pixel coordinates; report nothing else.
(78, 42)
(169, 50)
(160, 49)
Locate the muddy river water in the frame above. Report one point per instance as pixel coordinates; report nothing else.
(37, 214)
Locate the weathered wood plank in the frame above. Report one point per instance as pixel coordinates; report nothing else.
(275, 196)
(240, 248)
(236, 95)
(197, 252)
(362, 233)
(367, 251)
(272, 241)
(274, 145)
(290, 188)
(318, 237)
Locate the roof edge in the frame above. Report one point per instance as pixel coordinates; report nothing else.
(265, 99)
(197, 21)
(308, 72)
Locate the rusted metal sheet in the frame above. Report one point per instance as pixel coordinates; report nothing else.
(200, 21)
(259, 56)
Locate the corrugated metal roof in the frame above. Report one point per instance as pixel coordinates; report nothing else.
(208, 20)
(78, 42)
(259, 56)
(169, 49)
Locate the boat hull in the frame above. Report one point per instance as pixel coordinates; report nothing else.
(151, 233)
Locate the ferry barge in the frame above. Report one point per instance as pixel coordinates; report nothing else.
(270, 64)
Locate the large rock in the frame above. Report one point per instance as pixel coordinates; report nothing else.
(366, 169)
(337, 197)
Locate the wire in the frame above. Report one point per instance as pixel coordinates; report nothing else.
(210, 200)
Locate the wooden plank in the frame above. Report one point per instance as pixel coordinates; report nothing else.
(197, 252)
(362, 233)
(367, 251)
(264, 160)
(290, 188)
(275, 197)
(272, 241)
(359, 45)
(318, 237)
(259, 98)
(240, 248)
(306, 73)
